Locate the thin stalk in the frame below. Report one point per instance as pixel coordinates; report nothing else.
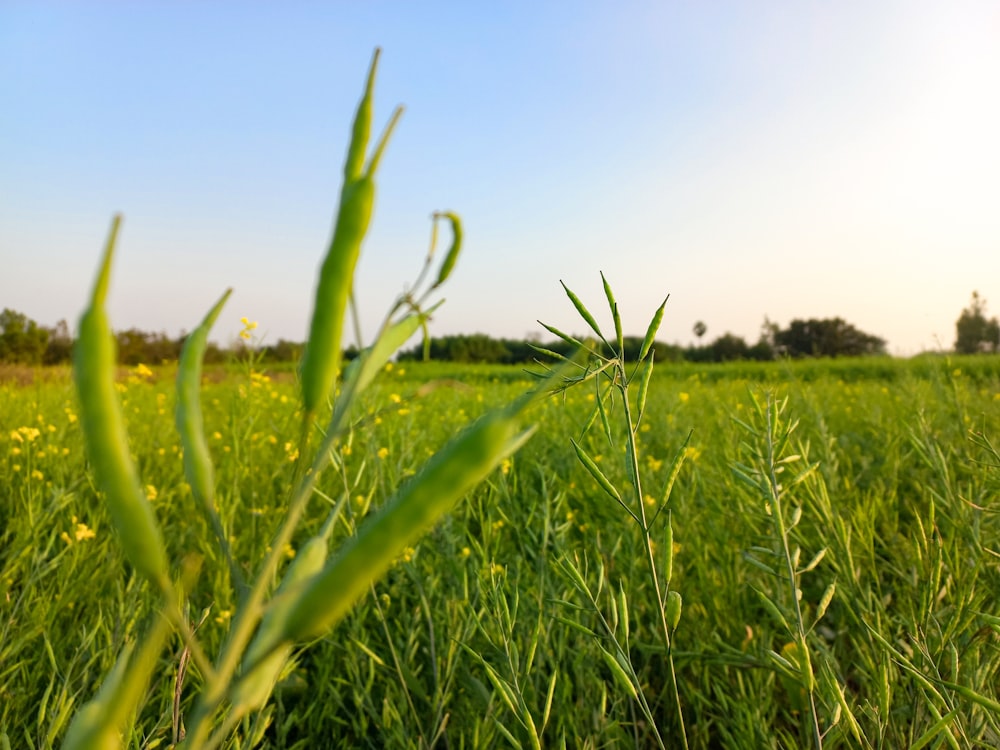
(650, 558)
(782, 531)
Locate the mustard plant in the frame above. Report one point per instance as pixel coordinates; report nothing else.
(618, 381)
(315, 592)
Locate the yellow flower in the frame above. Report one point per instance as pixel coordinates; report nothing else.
(465, 552)
(395, 398)
(505, 466)
(150, 492)
(248, 325)
(691, 453)
(141, 371)
(36, 474)
(684, 397)
(383, 452)
(83, 532)
(16, 437)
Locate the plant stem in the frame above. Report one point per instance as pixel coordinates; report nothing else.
(650, 559)
(771, 412)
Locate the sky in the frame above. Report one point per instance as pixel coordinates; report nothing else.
(750, 160)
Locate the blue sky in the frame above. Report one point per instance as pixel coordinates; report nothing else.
(779, 159)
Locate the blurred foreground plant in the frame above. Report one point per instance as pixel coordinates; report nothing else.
(314, 593)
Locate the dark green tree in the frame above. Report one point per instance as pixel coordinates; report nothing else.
(973, 331)
(22, 340)
(59, 348)
(829, 337)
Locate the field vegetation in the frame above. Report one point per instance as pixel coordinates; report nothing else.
(481, 630)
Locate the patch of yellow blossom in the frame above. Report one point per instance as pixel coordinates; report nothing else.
(81, 532)
(248, 326)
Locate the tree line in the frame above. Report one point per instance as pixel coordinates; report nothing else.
(23, 341)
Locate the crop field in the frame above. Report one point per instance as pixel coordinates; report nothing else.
(530, 615)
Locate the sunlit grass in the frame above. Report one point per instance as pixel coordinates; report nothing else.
(907, 507)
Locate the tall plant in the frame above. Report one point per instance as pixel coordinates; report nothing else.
(618, 381)
(315, 590)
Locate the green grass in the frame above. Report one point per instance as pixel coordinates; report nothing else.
(478, 637)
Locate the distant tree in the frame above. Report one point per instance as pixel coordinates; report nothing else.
(290, 351)
(59, 348)
(22, 340)
(829, 337)
(973, 332)
(136, 346)
(729, 347)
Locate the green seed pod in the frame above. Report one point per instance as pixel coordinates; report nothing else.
(673, 609)
(321, 359)
(267, 653)
(584, 312)
(654, 326)
(190, 423)
(361, 131)
(595, 471)
(456, 246)
(104, 432)
(445, 478)
(614, 315)
(668, 564)
(647, 375)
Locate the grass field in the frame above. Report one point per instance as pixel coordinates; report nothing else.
(498, 626)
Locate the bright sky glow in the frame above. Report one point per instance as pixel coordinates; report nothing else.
(785, 159)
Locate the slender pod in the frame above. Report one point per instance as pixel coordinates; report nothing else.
(445, 478)
(654, 326)
(104, 432)
(584, 312)
(456, 246)
(266, 655)
(647, 374)
(190, 422)
(321, 359)
(613, 304)
(362, 128)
